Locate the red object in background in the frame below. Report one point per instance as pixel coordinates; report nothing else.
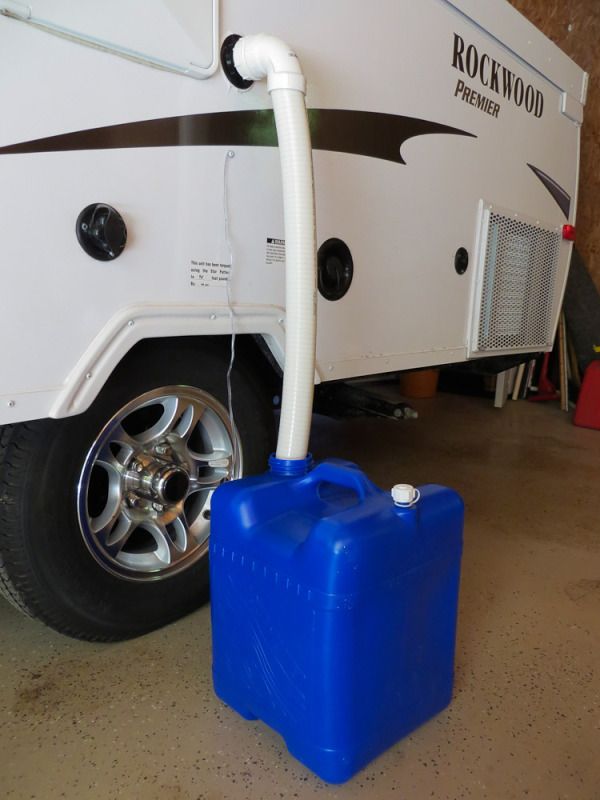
(587, 412)
(569, 233)
(546, 389)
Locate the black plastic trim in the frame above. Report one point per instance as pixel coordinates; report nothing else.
(335, 269)
(228, 63)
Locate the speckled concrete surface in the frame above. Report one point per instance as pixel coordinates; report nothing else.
(139, 720)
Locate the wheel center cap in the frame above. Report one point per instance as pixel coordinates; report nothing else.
(170, 485)
(163, 483)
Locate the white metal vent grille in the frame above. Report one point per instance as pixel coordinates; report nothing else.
(518, 285)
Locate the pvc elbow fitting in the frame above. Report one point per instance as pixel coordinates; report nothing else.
(263, 56)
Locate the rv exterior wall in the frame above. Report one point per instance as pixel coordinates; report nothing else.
(403, 211)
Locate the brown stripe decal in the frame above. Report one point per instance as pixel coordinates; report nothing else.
(367, 133)
(562, 198)
(364, 133)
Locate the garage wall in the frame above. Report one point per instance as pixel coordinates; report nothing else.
(575, 27)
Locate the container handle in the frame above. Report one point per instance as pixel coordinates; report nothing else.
(342, 475)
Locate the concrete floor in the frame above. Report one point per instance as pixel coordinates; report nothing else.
(139, 720)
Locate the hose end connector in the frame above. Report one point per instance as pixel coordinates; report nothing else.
(262, 56)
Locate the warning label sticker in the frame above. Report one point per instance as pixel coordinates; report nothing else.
(208, 273)
(275, 253)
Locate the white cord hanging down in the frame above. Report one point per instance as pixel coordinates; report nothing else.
(255, 58)
(228, 157)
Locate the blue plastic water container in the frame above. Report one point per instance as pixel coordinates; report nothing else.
(333, 609)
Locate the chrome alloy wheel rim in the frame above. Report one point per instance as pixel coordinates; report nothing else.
(144, 492)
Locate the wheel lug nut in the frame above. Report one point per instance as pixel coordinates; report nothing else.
(157, 507)
(138, 467)
(132, 500)
(161, 449)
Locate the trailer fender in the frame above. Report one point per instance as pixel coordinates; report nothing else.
(135, 323)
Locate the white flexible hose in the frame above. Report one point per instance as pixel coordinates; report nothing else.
(300, 273)
(258, 57)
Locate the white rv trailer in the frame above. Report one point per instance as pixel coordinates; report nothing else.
(142, 222)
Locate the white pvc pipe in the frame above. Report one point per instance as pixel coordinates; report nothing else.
(255, 58)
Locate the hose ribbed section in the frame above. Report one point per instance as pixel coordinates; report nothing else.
(300, 274)
(258, 57)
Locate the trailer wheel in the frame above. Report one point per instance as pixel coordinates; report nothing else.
(104, 517)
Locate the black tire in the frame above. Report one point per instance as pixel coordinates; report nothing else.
(46, 569)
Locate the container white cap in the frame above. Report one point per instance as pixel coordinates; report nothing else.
(404, 494)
